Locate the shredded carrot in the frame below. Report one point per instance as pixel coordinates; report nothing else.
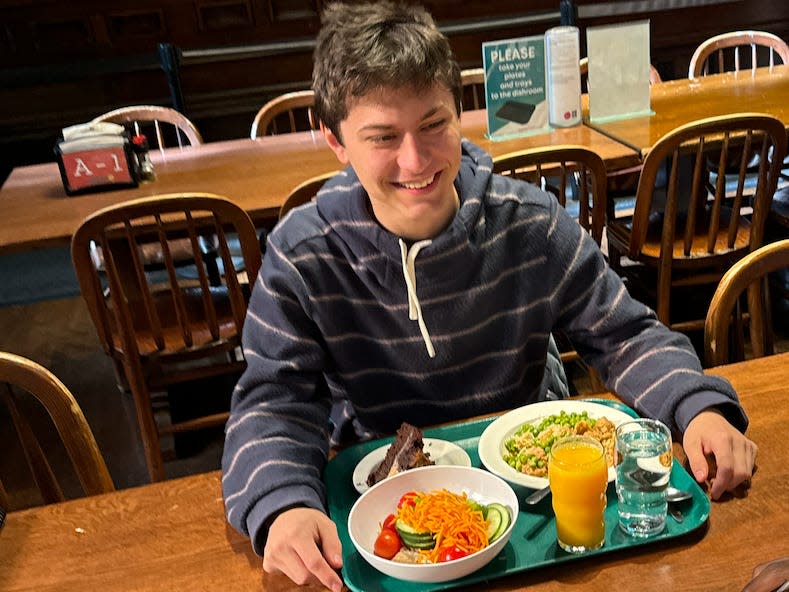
(452, 520)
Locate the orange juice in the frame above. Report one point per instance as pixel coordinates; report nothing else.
(578, 475)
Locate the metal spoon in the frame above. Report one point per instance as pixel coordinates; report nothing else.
(535, 497)
(674, 495)
(677, 495)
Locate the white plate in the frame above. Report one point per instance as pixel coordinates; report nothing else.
(491, 442)
(441, 452)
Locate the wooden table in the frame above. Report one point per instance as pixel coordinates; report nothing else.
(173, 536)
(256, 174)
(677, 102)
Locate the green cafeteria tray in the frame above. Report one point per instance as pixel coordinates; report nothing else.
(533, 541)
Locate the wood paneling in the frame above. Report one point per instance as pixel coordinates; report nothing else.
(226, 14)
(40, 36)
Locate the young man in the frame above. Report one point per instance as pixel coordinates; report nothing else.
(420, 287)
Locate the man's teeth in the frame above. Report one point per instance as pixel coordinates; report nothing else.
(419, 184)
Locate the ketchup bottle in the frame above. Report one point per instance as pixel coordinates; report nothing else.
(140, 146)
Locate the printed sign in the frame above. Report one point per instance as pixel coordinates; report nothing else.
(100, 167)
(515, 87)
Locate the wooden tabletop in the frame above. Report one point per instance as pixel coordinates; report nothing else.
(173, 535)
(677, 102)
(256, 174)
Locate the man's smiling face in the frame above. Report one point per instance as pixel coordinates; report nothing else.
(405, 147)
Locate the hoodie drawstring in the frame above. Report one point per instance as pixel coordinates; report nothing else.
(414, 310)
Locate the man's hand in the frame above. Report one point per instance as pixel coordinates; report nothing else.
(709, 434)
(303, 544)
(769, 576)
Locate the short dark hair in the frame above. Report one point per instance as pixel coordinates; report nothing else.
(363, 47)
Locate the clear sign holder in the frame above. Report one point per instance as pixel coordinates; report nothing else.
(618, 78)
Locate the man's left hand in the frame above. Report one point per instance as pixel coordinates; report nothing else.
(710, 435)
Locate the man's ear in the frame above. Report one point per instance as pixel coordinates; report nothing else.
(335, 144)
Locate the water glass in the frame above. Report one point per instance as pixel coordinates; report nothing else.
(578, 476)
(643, 469)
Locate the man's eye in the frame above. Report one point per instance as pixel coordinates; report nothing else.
(435, 124)
(382, 139)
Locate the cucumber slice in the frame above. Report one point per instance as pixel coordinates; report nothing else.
(494, 522)
(503, 521)
(402, 527)
(419, 543)
(413, 539)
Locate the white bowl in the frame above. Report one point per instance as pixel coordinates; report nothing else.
(376, 503)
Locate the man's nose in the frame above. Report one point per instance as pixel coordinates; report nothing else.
(413, 154)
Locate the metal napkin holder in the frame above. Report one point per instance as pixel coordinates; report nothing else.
(96, 156)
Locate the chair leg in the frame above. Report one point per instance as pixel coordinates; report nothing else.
(663, 297)
(596, 381)
(149, 434)
(5, 504)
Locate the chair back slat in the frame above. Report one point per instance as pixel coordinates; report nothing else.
(238, 305)
(202, 276)
(717, 198)
(179, 305)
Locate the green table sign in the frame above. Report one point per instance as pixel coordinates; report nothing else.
(515, 86)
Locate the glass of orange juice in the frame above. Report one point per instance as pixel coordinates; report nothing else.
(578, 476)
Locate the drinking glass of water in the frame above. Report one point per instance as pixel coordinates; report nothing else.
(643, 468)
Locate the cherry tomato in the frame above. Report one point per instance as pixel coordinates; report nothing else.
(387, 544)
(389, 522)
(451, 554)
(408, 499)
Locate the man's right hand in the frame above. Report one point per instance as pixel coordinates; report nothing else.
(303, 544)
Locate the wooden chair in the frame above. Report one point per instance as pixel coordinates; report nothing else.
(702, 225)
(721, 53)
(304, 192)
(150, 119)
(160, 328)
(162, 127)
(565, 170)
(27, 376)
(291, 112)
(472, 83)
(726, 312)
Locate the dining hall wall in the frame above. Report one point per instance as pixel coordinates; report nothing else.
(66, 62)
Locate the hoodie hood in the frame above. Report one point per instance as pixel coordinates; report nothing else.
(343, 204)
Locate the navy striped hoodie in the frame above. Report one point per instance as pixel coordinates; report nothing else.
(345, 315)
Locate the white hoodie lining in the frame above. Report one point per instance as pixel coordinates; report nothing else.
(408, 256)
